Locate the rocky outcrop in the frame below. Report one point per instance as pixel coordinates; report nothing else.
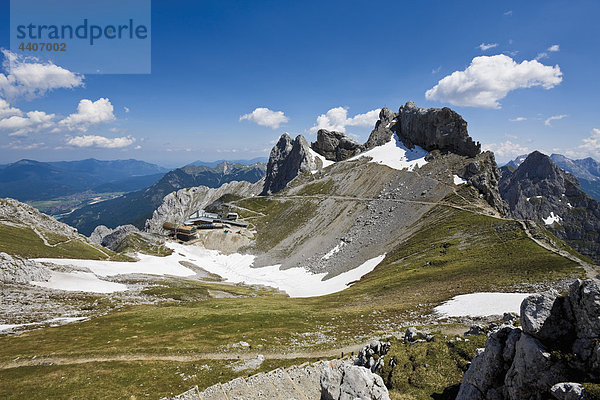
(384, 129)
(335, 146)
(288, 159)
(99, 233)
(483, 174)
(348, 382)
(372, 355)
(18, 270)
(540, 191)
(177, 206)
(557, 345)
(434, 129)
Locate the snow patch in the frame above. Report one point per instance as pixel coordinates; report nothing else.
(534, 197)
(80, 282)
(333, 251)
(552, 219)
(235, 268)
(458, 180)
(395, 155)
(53, 322)
(481, 304)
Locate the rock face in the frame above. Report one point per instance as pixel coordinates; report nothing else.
(288, 158)
(17, 270)
(99, 233)
(435, 129)
(586, 170)
(483, 174)
(349, 382)
(177, 206)
(384, 129)
(558, 343)
(539, 190)
(335, 146)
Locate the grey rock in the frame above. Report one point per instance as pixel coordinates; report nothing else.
(349, 382)
(288, 159)
(568, 391)
(435, 129)
(384, 129)
(535, 310)
(335, 146)
(483, 174)
(18, 270)
(412, 334)
(528, 364)
(99, 233)
(366, 356)
(533, 371)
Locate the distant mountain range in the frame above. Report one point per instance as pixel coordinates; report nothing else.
(586, 170)
(29, 180)
(135, 207)
(213, 164)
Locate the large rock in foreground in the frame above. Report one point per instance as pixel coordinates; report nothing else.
(559, 342)
(349, 382)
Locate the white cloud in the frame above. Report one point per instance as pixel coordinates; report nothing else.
(7, 111)
(436, 70)
(554, 48)
(17, 145)
(265, 117)
(518, 119)
(488, 46)
(589, 148)
(336, 119)
(100, 141)
(507, 150)
(30, 78)
(509, 12)
(31, 122)
(548, 121)
(89, 113)
(126, 109)
(490, 78)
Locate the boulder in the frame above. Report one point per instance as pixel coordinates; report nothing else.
(349, 382)
(335, 146)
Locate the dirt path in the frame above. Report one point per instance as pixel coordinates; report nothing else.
(43, 360)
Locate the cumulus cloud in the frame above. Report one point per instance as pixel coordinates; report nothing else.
(100, 141)
(507, 150)
(265, 117)
(336, 119)
(22, 125)
(7, 111)
(88, 113)
(489, 79)
(548, 121)
(554, 48)
(518, 119)
(28, 77)
(488, 46)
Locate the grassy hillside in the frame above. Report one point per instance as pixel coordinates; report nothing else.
(24, 242)
(454, 251)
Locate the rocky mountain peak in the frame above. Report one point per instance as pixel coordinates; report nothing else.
(383, 131)
(288, 158)
(435, 129)
(335, 146)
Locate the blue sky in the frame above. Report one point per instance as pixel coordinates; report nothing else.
(215, 61)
